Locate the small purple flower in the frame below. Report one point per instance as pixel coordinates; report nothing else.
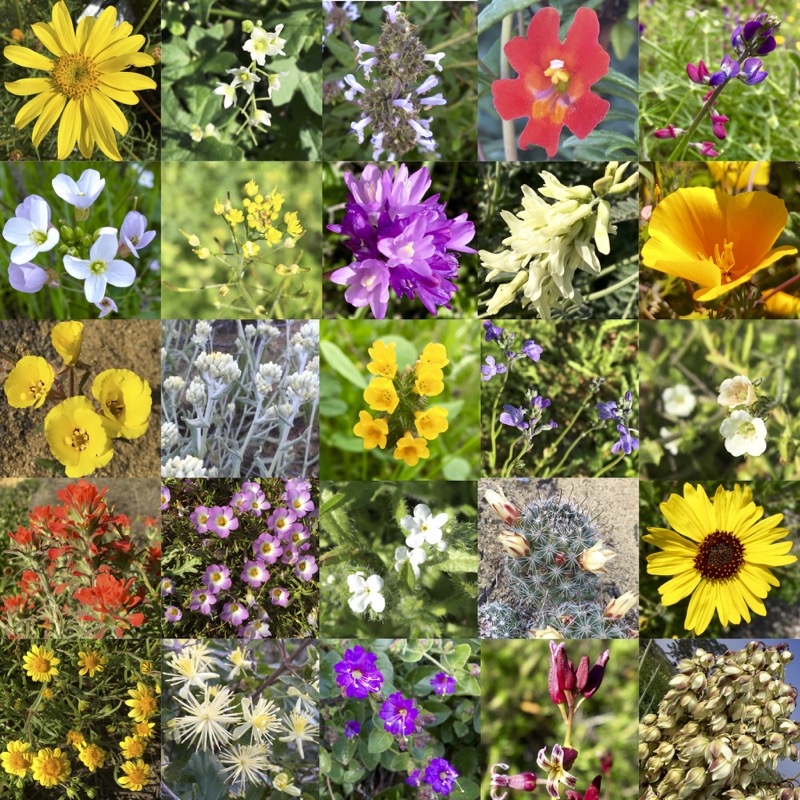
(606, 411)
(357, 673)
(414, 777)
(134, 234)
(296, 485)
(290, 555)
(167, 587)
(718, 125)
(670, 132)
(300, 502)
(217, 578)
(222, 521)
(259, 503)
(165, 497)
(553, 424)
(279, 596)
(267, 548)
(199, 518)
(305, 568)
(532, 350)
(352, 729)
(705, 149)
(540, 402)
(443, 683)
(172, 614)
(299, 538)
(728, 68)
(254, 574)
(698, 74)
(398, 715)
(627, 443)
(490, 369)
(235, 613)
(201, 601)
(441, 775)
(27, 278)
(493, 332)
(241, 501)
(281, 519)
(751, 72)
(513, 416)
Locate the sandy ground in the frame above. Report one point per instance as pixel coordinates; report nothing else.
(613, 503)
(107, 344)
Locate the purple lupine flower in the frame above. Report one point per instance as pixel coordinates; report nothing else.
(627, 443)
(606, 411)
(751, 72)
(357, 674)
(235, 613)
(217, 578)
(514, 416)
(165, 497)
(490, 369)
(199, 518)
(698, 74)
(398, 715)
(172, 614)
(540, 402)
(532, 350)
(267, 548)
(351, 729)
(133, 235)
(254, 574)
(279, 596)
(718, 125)
(441, 775)
(414, 777)
(443, 683)
(202, 600)
(306, 567)
(399, 241)
(221, 521)
(493, 332)
(728, 68)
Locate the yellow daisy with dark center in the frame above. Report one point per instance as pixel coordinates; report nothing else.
(719, 553)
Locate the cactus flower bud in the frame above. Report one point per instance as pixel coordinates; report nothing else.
(595, 558)
(545, 633)
(515, 544)
(502, 506)
(620, 606)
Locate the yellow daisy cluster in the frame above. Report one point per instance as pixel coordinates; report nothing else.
(405, 422)
(79, 437)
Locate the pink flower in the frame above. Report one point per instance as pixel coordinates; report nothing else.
(279, 596)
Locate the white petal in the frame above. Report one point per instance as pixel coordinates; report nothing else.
(120, 273)
(105, 246)
(415, 540)
(439, 521)
(66, 188)
(418, 556)
(422, 512)
(377, 602)
(52, 240)
(23, 253)
(433, 536)
(40, 214)
(17, 231)
(95, 287)
(77, 267)
(358, 603)
(375, 583)
(355, 583)
(408, 523)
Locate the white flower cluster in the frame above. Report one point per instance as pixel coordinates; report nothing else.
(185, 467)
(744, 431)
(423, 529)
(679, 402)
(549, 242)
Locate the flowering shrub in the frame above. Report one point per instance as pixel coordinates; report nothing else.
(79, 719)
(241, 406)
(241, 88)
(401, 714)
(68, 263)
(79, 432)
(391, 93)
(398, 241)
(240, 721)
(241, 558)
(82, 570)
(515, 429)
(742, 419)
(395, 564)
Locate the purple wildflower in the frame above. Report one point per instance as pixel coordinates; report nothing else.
(606, 411)
(532, 350)
(352, 729)
(493, 332)
(279, 596)
(443, 683)
(357, 673)
(670, 132)
(221, 521)
(172, 614)
(718, 125)
(281, 519)
(413, 778)
(728, 68)
(241, 501)
(199, 518)
(306, 567)
(267, 548)
(490, 369)
(300, 502)
(27, 278)
(441, 775)
(165, 497)
(134, 234)
(216, 578)
(540, 402)
(751, 72)
(166, 587)
(398, 715)
(698, 74)
(399, 241)
(514, 416)
(705, 148)
(235, 613)
(254, 574)
(627, 443)
(201, 601)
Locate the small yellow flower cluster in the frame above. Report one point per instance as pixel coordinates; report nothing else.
(406, 422)
(79, 435)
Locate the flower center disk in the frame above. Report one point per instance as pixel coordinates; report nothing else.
(719, 556)
(75, 75)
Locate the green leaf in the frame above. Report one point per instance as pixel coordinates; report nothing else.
(324, 761)
(496, 10)
(341, 363)
(457, 657)
(622, 39)
(211, 149)
(379, 740)
(457, 469)
(407, 575)
(333, 407)
(440, 712)
(311, 89)
(311, 141)
(459, 561)
(289, 82)
(344, 54)
(203, 770)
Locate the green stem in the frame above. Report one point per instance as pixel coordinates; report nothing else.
(608, 467)
(433, 660)
(150, 9)
(493, 427)
(683, 142)
(509, 137)
(557, 469)
(611, 289)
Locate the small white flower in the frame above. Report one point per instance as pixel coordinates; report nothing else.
(196, 133)
(678, 400)
(275, 83)
(424, 528)
(264, 43)
(83, 193)
(671, 445)
(30, 233)
(228, 93)
(744, 434)
(435, 58)
(366, 593)
(244, 78)
(738, 391)
(210, 129)
(101, 268)
(260, 117)
(415, 557)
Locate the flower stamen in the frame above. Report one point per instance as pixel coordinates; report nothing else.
(75, 75)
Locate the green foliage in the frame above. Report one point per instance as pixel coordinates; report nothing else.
(701, 355)
(192, 286)
(575, 356)
(343, 376)
(655, 673)
(360, 523)
(372, 764)
(518, 718)
(203, 40)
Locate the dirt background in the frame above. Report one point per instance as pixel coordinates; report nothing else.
(107, 344)
(612, 503)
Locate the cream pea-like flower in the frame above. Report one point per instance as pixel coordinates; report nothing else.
(744, 434)
(366, 593)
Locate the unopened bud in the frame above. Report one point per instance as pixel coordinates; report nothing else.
(522, 782)
(602, 185)
(515, 544)
(601, 227)
(247, 26)
(194, 241)
(502, 506)
(631, 182)
(506, 293)
(596, 674)
(611, 168)
(202, 253)
(545, 633)
(620, 606)
(595, 558)
(223, 290)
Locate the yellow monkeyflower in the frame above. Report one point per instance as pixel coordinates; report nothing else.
(40, 663)
(431, 422)
(733, 175)
(293, 226)
(67, 338)
(29, 382)
(137, 775)
(132, 747)
(126, 401)
(93, 756)
(234, 216)
(715, 240)
(372, 431)
(380, 395)
(384, 359)
(50, 767)
(84, 81)
(720, 553)
(143, 703)
(90, 662)
(250, 249)
(429, 382)
(433, 355)
(411, 450)
(16, 759)
(251, 188)
(77, 437)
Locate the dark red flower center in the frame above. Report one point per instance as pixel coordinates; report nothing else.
(719, 556)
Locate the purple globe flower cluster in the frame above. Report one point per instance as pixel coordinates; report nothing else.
(399, 241)
(619, 413)
(357, 673)
(283, 548)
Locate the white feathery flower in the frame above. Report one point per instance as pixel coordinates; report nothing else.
(189, 667)
(205, 722)
(260, 720)
(243, 763)
(300, 727)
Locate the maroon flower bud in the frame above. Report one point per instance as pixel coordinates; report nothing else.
(592, 793)
(582, 673)
(568, 757)
(606, 762)
(596, 674)
(523, 782)
(559, 667)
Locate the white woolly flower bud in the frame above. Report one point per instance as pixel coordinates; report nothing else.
(183, 467)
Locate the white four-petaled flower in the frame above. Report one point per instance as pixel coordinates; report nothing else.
(366, 593)
(30, 230)
(425, 528)
(101, 268)
(82, 193)
(744, 434)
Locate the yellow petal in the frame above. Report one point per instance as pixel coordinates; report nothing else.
(131, 81)
(26, 86)
(68, 129)
(667, 564)
(679, 587)
(110, 111)
(103, 26)
(101, 127)
(62, 23)
(701, 608)
(85, 135)
(117, 95)
(769, 259)
(83, 31)
(26, 57)
(124, 61)
(32, 109)
(47, 118)
(131, 44)
(46, 34)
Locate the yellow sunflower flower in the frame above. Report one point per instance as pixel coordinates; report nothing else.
(16, 759)
(77, 437)
(126, 401)
(40, 663)
(714, 240)
(29, 382)
(85, 80)
(51, 767)
(143, 703)
(137, 775)
(719, 552)
(90, 662)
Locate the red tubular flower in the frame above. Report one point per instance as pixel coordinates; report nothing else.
(553, 86)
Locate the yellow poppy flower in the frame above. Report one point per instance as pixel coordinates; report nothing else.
(40, 663)
(782, 304)
(51, 767)
(85, 81)
(733, 175)
(714, 240)
(29, 382)
(431, 422)
(411, 450)
(77, 437)
(67, 338)
(126, 401)
(372, 431)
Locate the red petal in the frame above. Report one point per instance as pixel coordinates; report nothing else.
(511, 98)
(542, 132)
(585, 114)
(544, 37)
(521, 55)
(593, 792)
(584, 58)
